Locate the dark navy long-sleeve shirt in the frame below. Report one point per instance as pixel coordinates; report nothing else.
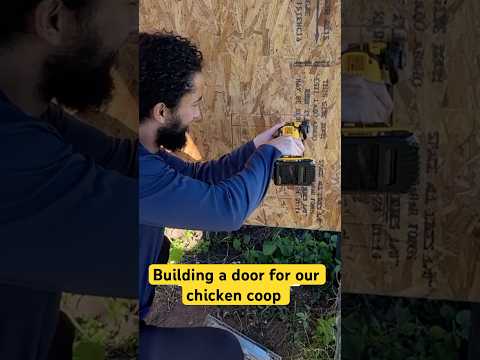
(68, 222)
(216, 195)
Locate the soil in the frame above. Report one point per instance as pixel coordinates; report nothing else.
(273, 327)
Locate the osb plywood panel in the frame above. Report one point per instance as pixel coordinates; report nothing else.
(426, 243)
(124, 105)
(267, 60)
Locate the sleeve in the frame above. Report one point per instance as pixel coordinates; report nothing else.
(111, 153)
(169, 198)
(66, 224)
(213, 171)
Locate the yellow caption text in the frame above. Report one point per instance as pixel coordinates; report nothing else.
(219, 284)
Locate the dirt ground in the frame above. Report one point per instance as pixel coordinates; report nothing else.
(286, 330)
(274, 327)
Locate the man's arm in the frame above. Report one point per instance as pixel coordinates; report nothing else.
(113, 154)
(66, 224)
(169, 198)
(213, 171)
(228, 165)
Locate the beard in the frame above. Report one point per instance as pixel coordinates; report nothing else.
(80, 78)
(172, 137)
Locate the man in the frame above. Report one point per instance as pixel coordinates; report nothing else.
(68, 197)
(217, 195)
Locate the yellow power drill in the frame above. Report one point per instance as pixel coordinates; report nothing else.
(377, 157)
(294, 170)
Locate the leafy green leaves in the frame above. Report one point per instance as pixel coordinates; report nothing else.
(87, 350)
(388, 328)
(176, 252)
(237, 244)
(269, 248)
(324, 332)
(290, 248)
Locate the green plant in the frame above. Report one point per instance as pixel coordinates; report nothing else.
(176, 252)
(325, 332)
(320, 345)
(289, 248)
(411, 330)
(97, 336)
(88, 350)
(91, 340)
(304, 318)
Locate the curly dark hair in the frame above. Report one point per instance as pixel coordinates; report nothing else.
(167, 65)
(14, 15)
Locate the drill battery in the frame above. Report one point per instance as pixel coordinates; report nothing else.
(294, 171)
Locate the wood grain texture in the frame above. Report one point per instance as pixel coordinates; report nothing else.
(265, 61)
(426, 243)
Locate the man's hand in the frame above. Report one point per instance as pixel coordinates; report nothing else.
(364, 101)
(288, 146)
(267, 135)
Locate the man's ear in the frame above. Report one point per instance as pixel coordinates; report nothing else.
(47, 21)
(160, 113)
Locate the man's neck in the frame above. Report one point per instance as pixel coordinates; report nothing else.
(21, 76)
(147, 136)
